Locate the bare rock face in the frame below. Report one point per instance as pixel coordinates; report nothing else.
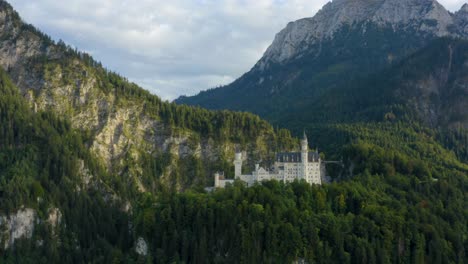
(21, 225)
(424, 16)
(462, 19)
(141, 247)
(16, 226)
(55, 217)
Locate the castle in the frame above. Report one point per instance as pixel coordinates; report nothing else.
(287, 168)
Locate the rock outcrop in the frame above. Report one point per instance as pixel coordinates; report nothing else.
(141, 247)
(21, 224)
(424, 16)
(462, 19)
(17, 225)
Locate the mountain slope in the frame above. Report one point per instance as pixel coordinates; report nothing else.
(314, 62)
(49, 180)
(135, 134)
(428, 86)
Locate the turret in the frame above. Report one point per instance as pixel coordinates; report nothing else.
(304, 143)
(216, 176)
(238, 165)
(304, 156)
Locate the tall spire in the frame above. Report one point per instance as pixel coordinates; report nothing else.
(304, 157)
(304, 143)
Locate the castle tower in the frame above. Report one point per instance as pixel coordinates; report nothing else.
(238, 165)
(304, 157)
(216, 178)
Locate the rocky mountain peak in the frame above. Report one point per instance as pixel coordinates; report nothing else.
(461, 17)
(7, 13)
(464, 8)
(426, 16)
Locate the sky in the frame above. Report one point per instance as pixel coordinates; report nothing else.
(176, 47)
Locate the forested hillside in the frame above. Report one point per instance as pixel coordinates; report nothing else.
(394, 210)
(392, 207)
(46, 168)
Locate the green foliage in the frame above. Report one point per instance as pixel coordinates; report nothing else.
(383, 215)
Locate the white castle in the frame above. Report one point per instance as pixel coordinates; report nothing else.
(287, 168)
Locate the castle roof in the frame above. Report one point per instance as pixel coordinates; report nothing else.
(295, 157)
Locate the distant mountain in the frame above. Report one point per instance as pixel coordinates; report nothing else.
(319, 69)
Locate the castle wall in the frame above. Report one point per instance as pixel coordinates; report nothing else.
(314, 172)
(224, 183)
(249, 179)
(293, 171)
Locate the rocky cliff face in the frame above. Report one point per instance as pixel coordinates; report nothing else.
(16, 226)
(461, 18)
(424, 16)
(21, 224)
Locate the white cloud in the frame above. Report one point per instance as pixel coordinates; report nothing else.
(452, 5)
(171, 47)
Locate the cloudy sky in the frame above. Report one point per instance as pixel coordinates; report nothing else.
(172, 47)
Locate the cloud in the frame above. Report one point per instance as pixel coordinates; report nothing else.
(171, 47)
(452, 5)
